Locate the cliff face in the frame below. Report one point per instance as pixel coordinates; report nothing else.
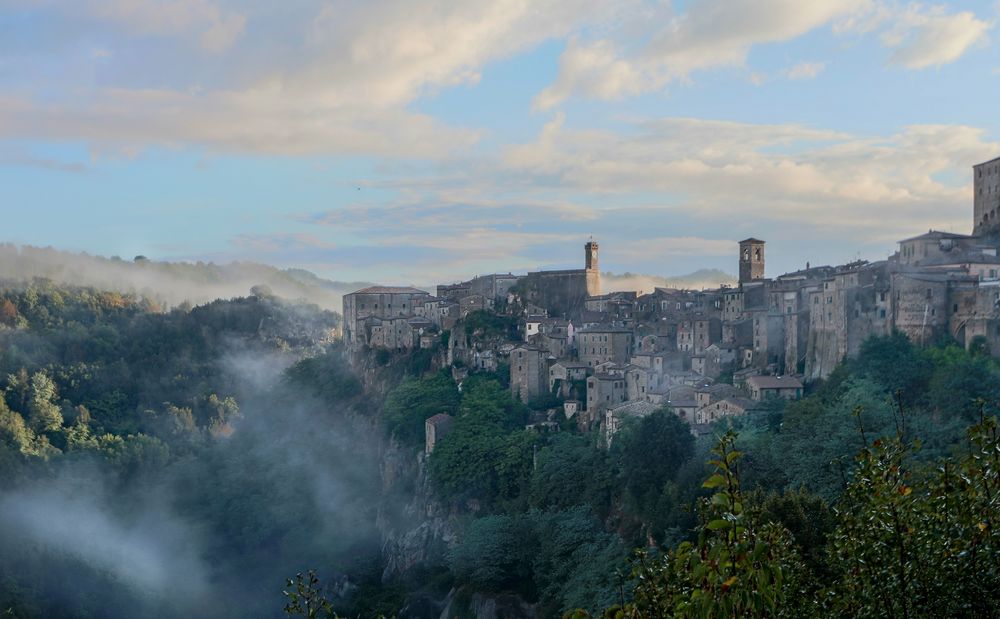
(416, 529)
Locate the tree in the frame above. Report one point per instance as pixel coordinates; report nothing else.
(414, 401)
(920, 543)
(895, 363)
(740, 566)
(8, 313)
(43, 412)
(651, 450)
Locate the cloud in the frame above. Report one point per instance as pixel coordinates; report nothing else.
(215, 28)
(928, 37)
(805, 70)
(259, 77)
(794, 173)
(712, 34)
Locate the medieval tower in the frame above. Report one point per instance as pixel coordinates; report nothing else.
(592, 269)
(986, 198)
(751, 260)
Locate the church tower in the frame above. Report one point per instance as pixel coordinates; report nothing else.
(590, 255)
(592, 272)
(751, 260)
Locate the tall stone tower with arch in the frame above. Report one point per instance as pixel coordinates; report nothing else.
(751, 260)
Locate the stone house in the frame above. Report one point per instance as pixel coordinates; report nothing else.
(601, 344)
(563, 373)
(763, 387)
(727, 407)
(603, 391)
(435, 429)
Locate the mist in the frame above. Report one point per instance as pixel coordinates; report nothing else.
(170, 283)
(644, 284)
(294, 487)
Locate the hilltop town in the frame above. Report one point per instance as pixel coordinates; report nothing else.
(598, 358)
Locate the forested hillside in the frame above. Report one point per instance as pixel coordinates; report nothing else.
(167, 283)
(174, 463)
(185, 462)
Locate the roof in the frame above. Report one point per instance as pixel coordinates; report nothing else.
(774, 382)
(439, 418)
(751, 240)
(937, 235)
(572, 364)
(390, 290)
(605, 329)
(605, 376)
(744, 403)
(995, 159)
(637, 408)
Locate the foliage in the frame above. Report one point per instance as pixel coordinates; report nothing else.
(485, 323)
(740, 566)
(415, 400)
(924, 542)
(306, 598)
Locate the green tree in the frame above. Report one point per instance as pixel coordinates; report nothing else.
(415, 400)
(649, 452)
(924, 542)
(43, 412)
(740, 565)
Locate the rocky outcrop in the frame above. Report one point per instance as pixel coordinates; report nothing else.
(416, 529)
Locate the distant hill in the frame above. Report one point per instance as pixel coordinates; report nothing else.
(702, 278)
(171, 283)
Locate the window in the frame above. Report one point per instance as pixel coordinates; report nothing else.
(881, 313)
(930, 293)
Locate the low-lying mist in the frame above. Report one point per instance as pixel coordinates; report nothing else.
(216, 532)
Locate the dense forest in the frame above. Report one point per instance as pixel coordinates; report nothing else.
(186, 462)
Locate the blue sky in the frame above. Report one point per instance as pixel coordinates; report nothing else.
(404, 141)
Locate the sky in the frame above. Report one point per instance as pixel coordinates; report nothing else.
(407, 141)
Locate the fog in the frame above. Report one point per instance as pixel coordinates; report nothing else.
(644, 284)
(171, 283)
(215, 533)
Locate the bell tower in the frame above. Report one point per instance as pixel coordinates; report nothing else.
(592, 271)
(590, 254)
(751, 260)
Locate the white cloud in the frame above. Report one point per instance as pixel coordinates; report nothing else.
(713, 33)
(724, 170)
(927, 37)
(263, 77)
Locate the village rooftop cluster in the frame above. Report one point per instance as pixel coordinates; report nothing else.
(611, 356)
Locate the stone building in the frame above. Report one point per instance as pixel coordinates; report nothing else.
(603, 391)
(529, 372)
(602, 344)
(751, 260)
(435, 428)
(764, 387)
(378, 302)
(986, 198)
(563, 293)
